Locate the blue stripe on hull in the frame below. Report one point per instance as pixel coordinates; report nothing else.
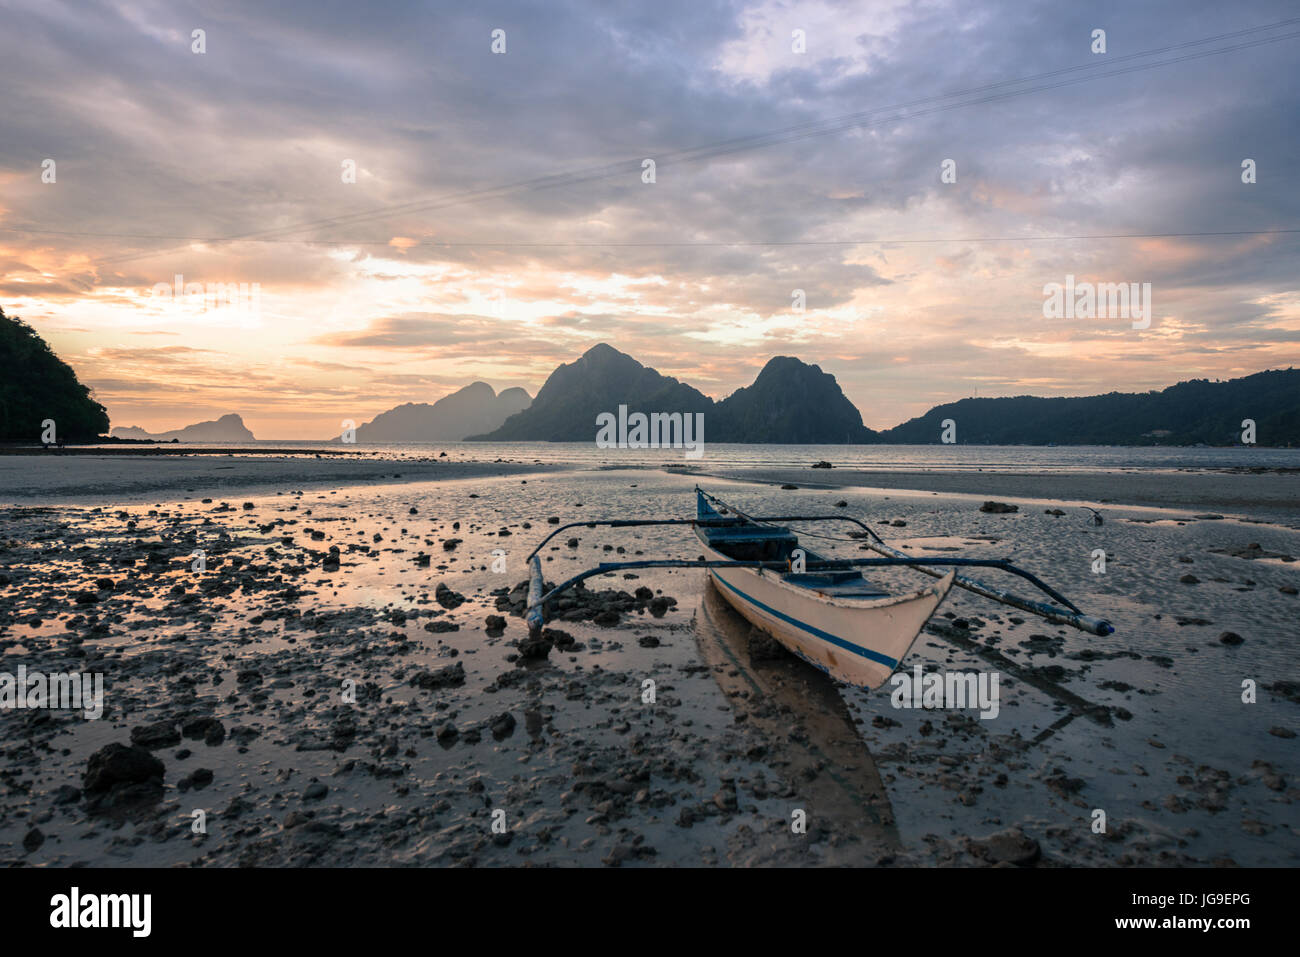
(826, 636)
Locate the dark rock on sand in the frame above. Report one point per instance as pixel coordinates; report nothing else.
(162, 734)
(998, 507)
(1012, 846)
(503, 725)
(725, 798)
(208, 728)
(200, 778)
(536, 648)
(561, 639)
(116, 764)
(1287, 689)
(447, 598)
(448, 677)
(33, 840)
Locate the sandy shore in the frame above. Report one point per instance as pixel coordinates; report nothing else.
(236, 680)
(127, 475)
(1237, 491)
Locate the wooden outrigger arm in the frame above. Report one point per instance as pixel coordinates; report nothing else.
(1069, 615)
(1064, 613)
(702, 523)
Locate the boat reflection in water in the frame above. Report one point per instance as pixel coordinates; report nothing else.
(800, 711)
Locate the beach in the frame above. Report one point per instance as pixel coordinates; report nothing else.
(342, 683)
(1275, 491)
(94, 475)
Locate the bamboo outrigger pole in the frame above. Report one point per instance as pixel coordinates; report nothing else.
(1069, 615)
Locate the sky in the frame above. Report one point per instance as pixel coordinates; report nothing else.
(501, 219)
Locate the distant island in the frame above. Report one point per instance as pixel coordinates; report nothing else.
(475, 408)
(793, 403)
(790, 402)
(1195, 412)
(228, 428)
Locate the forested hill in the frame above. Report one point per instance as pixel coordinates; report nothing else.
(1184, 414)
(37, 385)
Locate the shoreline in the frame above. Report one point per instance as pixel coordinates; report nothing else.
(1178, 490)
(122, 475)
(91, 480)
(168, 449)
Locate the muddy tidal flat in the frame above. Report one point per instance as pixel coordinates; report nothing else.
(335, 675)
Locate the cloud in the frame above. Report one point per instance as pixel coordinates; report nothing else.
(499, 223)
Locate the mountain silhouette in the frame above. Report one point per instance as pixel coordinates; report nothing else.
(475, 408)
(599, 381)
(1197, 411)
(789, 402)
(228, 428)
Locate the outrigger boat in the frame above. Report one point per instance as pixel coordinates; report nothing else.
(824, 610)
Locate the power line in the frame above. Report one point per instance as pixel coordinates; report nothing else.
(725, 147)
(652, 244)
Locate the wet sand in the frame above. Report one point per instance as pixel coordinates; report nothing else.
(235, 679)
(1244, 490)
(128, 475)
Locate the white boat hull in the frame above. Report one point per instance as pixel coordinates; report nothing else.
(856, 640)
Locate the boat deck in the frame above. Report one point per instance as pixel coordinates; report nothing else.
(745, 541)
(837, 584)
